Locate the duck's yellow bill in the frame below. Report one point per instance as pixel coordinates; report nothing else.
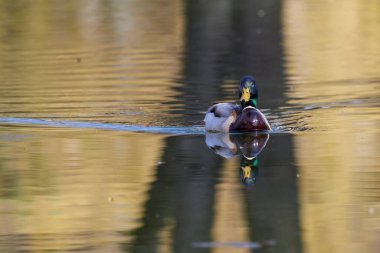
(245, 95)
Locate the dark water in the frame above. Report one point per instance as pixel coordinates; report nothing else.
(102, 147)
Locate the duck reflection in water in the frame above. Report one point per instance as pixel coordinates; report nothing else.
(246, 145)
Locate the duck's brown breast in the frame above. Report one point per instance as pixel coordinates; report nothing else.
(250, 119)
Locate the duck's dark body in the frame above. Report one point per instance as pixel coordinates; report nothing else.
(250, 119)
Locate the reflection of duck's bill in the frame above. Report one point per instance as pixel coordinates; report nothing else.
(248, 177)
(246, 171)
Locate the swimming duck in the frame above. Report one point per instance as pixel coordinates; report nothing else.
(228, 117)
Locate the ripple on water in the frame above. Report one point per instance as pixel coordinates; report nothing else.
(278, 126)
(190, 130)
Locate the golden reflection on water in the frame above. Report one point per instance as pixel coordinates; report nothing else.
(70, 190)
(332, 60)
(227, 229)
(90, 60)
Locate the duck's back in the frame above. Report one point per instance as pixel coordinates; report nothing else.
(220, 116)
(250, 119)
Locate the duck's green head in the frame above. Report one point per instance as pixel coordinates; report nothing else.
(248, 92)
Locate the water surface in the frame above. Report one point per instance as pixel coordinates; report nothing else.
(102, 147)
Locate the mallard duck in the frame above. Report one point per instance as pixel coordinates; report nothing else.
(228, 117)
